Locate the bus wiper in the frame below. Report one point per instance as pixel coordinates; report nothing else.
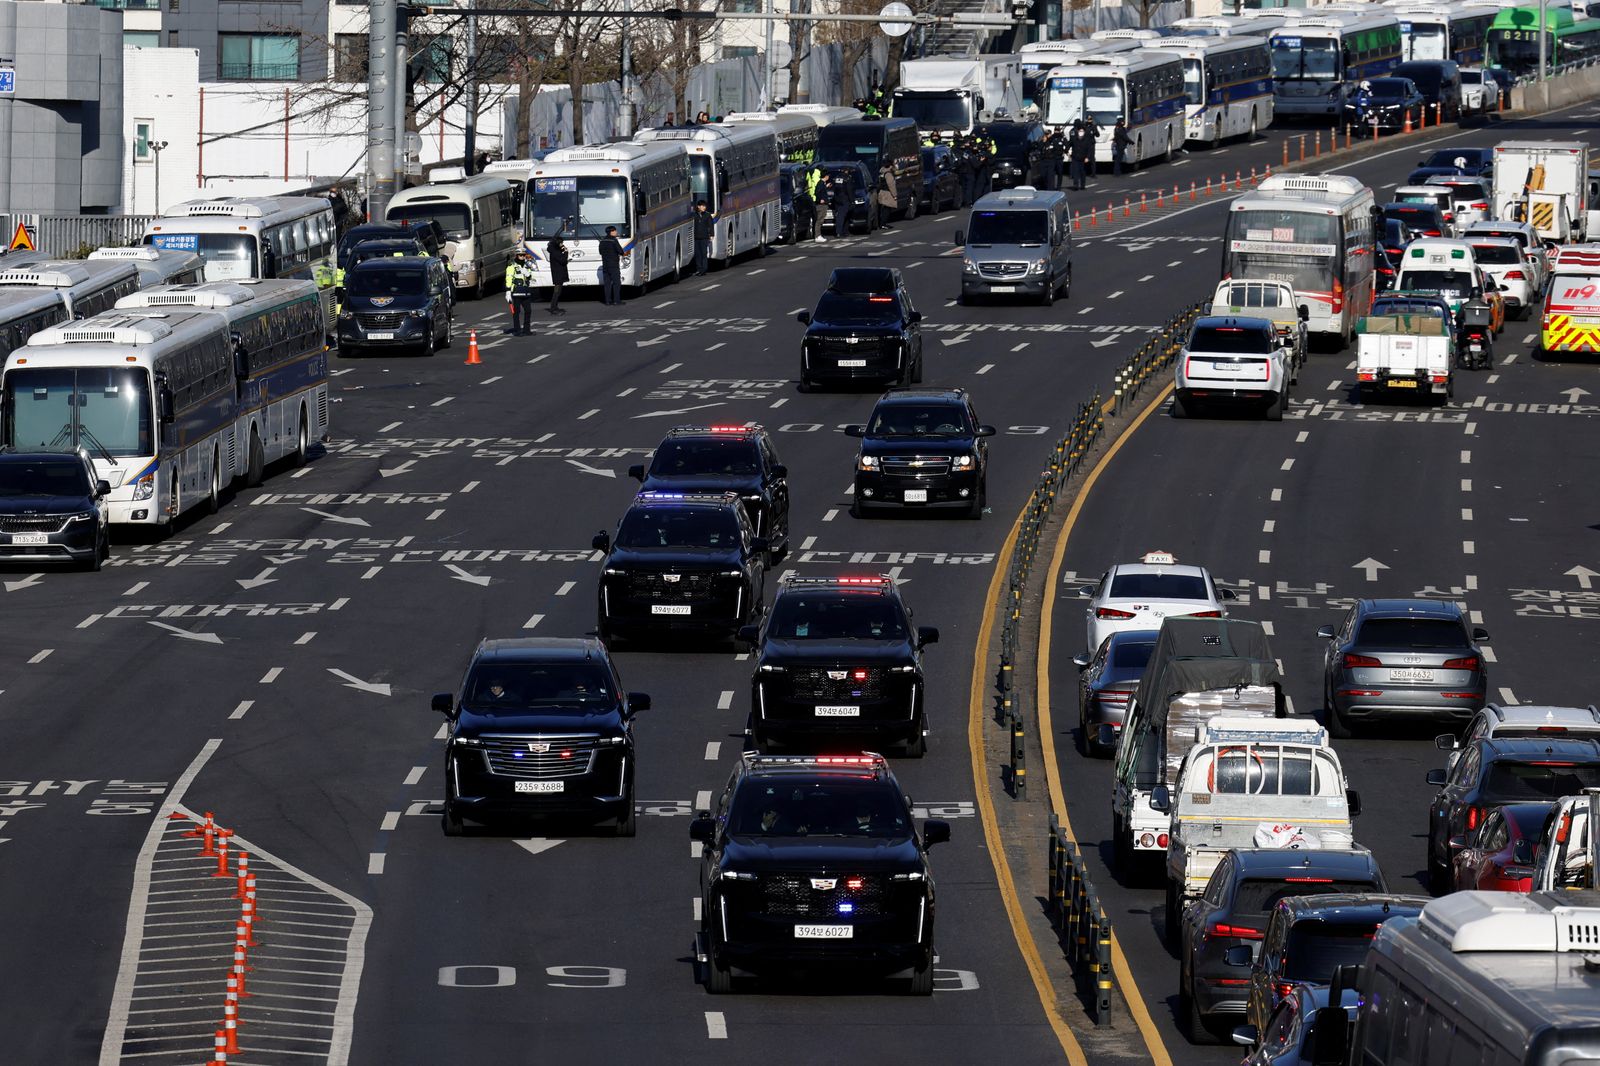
(62, 437)
(100, 449)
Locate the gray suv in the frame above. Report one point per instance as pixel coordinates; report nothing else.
(1018, 242)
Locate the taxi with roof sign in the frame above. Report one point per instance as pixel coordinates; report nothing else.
(1139, 595)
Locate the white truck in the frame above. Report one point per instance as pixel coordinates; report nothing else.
(1274, 300)
(1546, 184)
(1200, 668)
(1252, 783)
(950, 94)
(1566, 851)
(1407, 353)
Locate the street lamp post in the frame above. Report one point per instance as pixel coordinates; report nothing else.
(156, 148)
(1542, 56)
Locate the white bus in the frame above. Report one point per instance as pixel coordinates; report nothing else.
(1313, 232)
(87, 287)
(1316, 62)
(1228, 25)
(156, 266)
(1227, 82)
(1127, 34)
(478, 215)
(796, 132)
(821, 114)
(24, 312)
(280, 365)
(642, 189)
(1041, 57)
(1144, 88)
(149, 396)
(734, 169)
(255, 237)
(1445, 31)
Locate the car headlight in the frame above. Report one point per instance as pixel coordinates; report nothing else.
(737, 875)
(1037, 266)
(867, 462)
(965, 462)
(420, 313)
(613, 572)
(968, 266)
(347, 316)
(768, 668)
(733, 573)
(145, 487)
(467, 742)
(87, 516)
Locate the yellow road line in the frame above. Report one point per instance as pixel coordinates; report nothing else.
(991, 827)
(1047, 733)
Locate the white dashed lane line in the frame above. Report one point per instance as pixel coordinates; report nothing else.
(833, 512)
(219, 527)
(719, 344)
(627, 392)
(1269, 525)
(589, 414)
(713, 750)
(491, 381)
(1466, 484)
(538, 358)
(1466, 514)
(375, 863)
(1507, 696)
(716, 1025)
(441, 401)
(985, 368)
(306, 638)
(1277, 495)
(566, 587)
(725, 700)
(533, 621)
(135, 589)
(241, 710)
(372, 572)
(670, 368)
(1264, 555)
(391, 427)
(271, 675)
(1288, 464)
(415, 774)
(1466, 455)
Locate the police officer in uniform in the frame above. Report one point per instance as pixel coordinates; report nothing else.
(610, 268)
(556, 253)
(519, 292)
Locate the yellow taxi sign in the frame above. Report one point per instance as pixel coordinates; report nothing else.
(22, 240)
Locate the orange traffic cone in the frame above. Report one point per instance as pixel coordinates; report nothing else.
(1407, 128)
(472, 349)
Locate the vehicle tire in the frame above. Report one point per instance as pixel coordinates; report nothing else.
(921, 983)
(102, 552)
(855, 507)
(1049, 297)
(719, 979)
(1066, 284)
(1338, 725)
(917, 747)
(1180, 409)
(1121, 853)
(1275, 408)
(449, 325)
(477, 289)
(1252, 134)
(302, 442)
(1191, 1020)
(214, 494)
(974, 510)
(255, 472)
(628, 822)
(1438, 875)
(1170, 926)
(1216, 140)
(428, 346)
(1084, 746)
(450, 820)
(916, 370)
(911, 208)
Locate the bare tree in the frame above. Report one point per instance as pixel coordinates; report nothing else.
(670, 48)
(853, 38)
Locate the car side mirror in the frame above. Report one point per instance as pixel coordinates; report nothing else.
(1161, 799)
(1205, 308)
(1325, 632)
(1303, 313)
(760, 544)
(102, 487)
(961, 238)
(986, 431)
(1459, 841)
(165, 404)
(855, 431)
(444, 703)
(1522, 852)
(1240, 955)
(1352, 800)
(1481, 636)
(915, 316)
(935, 831)
(1227, 594)
(1245, 1035)
(1445, 742)
(1435, 777)
(803, 317)
(1106, 735)
(1086, 592)
(749, 634)
(703, 828)
(638, 701)
(636, 471)
(602, 541)
(780, 470)
(1081, 662)
(927, 635)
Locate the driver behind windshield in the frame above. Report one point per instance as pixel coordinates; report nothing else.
(911, 420)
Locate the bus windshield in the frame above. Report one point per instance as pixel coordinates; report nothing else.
(1305, 58)
(224, 255)
(933, 111)
(586, 205)
(104, 410)
(1299, 248)
(700, 180)
(1419, 41)
(1194, 82)
(454, 219)
(1517, 51)
(1073, 98)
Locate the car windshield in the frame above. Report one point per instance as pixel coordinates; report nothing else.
(1420, 197)
(1415, 216)
(1408, 307)
(857, 308)
(694, 458)
(1412, 633)
(1231, 339)
(505, 688)
(1009, 137)
(1074, 98)
(1194, 81)
(829, 807)
(1472, 77)
(454, 219)
(679, 527)
(1497, 254)
(919, 420)
(1466, 192)
(1008, 227)
(1260, 895)
(1445, 281)
(57, 477)
(1459, 158)
(225, 255)
(1157, 585)
(836, 616)
(382, 280)
(1131, 655)
(1298, 58)
(933, 110)
(1389, 89)
(584, 205)
(1316, 948)
(1422, 41)
(849, 142)
(1426, 76)
(1543, 779)
(50, 408)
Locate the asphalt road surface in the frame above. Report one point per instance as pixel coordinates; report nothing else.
(272, 664)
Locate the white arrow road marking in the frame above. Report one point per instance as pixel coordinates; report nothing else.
(279, 560)
(462, 575)
(401, 469)
(536, 845)
(263, 578)
(26, 583)
(679, 411)
(587, 469)
(349, 521)
(352, 681)
(956, 340)
(1371, 566)
(1573, 393)
(204, 638)
(654, 340)
(1102, 344)
(1584, 575)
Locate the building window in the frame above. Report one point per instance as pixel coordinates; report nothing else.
(172, 38)
(258, 57)
(350, 57)
(141, 140)
(430, 64)
(747, 5)
(141, 38)
(738, 51)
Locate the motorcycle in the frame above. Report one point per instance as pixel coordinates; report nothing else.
(1476, 337)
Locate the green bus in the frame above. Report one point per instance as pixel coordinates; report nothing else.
(1513, 40)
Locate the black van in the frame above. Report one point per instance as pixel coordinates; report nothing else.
(394, 302)
(876, 141)
(1439, 81)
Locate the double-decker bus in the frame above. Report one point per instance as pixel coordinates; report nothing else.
(1317, 62)
(642, 189)
(1144, 88)
(149, 396)
(1227, 83)
(86, 287)
(255, 237)
(1445, 31)
(1313, 232)
(1041, 57)
(280, 365)
(734, 169)
(1513, 39)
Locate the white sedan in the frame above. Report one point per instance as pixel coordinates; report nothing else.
(1139, 595)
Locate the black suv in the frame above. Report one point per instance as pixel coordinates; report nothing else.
(1492, 772)
(839, 657)
(813, 862)
(1439, 81)
(52, 509)
(541, 726)
(429, 236)
(922, 448)
(738, 459)
(396, 303)
(387, 247)
(1023, 156)
(861, 206)
(681, 562)
(865, 329)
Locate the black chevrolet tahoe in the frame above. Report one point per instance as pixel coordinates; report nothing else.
(864, 330)
(922, 449)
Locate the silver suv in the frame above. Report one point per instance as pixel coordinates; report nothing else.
(1522, 720)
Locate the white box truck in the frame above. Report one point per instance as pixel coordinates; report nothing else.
(1545, 183)
(951, 94)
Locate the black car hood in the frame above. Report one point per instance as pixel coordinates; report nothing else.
(674, 559)
(540, 720)
(744, 486)
(847, 327)
(841, 652)
(45, 505)
(822, 854)
(918, 445)
(354, 301)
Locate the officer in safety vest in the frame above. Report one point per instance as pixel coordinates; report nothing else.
(520, 293)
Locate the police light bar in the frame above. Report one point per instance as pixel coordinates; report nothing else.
(881, 581)
(866, 758)
(751, 428)
(1159, 559)
(690, 497)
